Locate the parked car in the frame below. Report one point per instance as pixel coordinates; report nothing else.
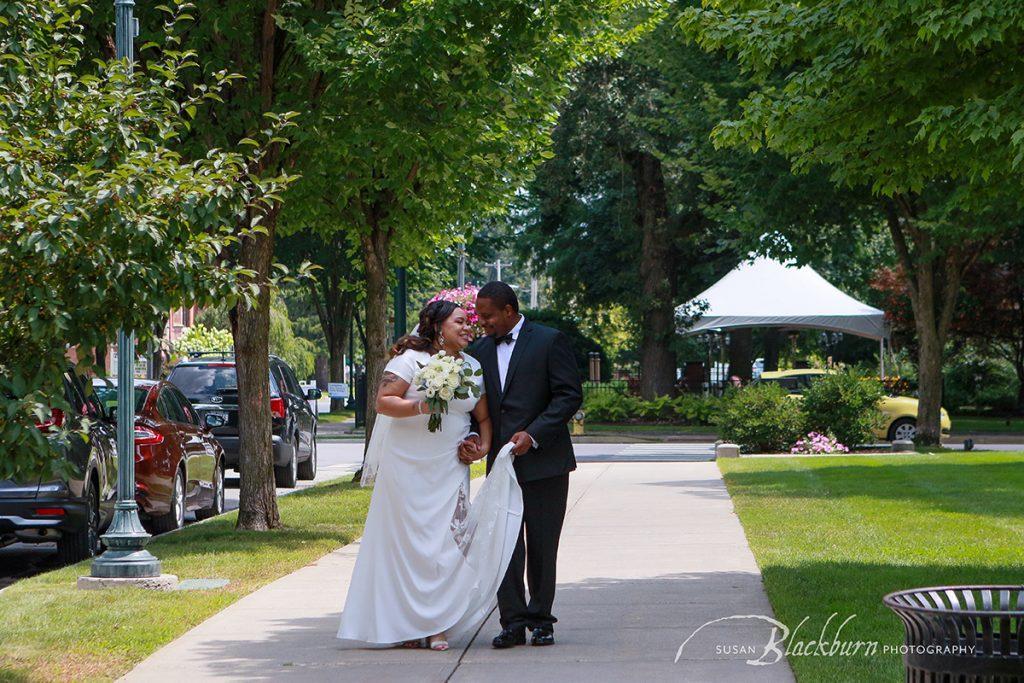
(179, 466)
(76, 510)
(210, 382)
(900, 412)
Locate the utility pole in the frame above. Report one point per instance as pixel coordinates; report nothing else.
(401, 296)
(497, 266)
(126, 556)
(462, 266)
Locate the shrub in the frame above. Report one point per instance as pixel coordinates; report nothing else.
(695, 409)
(611, 407)
(843, 404)
(622, 407)
(656, 409)
(976, 382)
(760, 418)
(201, 338)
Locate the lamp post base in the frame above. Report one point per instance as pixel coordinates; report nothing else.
(163, 582)
(126, 556)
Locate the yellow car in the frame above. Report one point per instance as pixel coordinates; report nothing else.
(900, 412)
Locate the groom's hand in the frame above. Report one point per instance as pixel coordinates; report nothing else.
(470, 450)
(522, 442)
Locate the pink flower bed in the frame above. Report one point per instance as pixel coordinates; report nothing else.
(816, 443)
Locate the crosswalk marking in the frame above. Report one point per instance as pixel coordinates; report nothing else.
(654, 452)
(668, 449)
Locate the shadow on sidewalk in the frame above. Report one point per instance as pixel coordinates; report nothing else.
(608, 628)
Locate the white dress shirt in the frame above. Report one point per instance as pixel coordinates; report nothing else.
(505, 356)
(505, 351)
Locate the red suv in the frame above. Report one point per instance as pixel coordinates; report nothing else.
(179, 466)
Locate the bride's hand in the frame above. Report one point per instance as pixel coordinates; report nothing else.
(471, 449)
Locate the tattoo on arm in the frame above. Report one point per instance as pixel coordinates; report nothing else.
(388, 379)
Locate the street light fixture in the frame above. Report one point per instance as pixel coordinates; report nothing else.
(126, 556)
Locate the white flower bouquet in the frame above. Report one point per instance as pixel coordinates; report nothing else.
(442, 379)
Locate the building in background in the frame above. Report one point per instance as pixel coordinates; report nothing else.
(178, 321)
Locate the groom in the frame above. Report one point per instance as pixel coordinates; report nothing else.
(533, 390)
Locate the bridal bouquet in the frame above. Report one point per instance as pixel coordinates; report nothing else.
(442, 379)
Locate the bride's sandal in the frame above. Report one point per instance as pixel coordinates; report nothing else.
(439, 645)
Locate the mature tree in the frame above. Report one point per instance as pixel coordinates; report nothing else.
(247, 37)
(333, 288)
(106, 223)
(912, 100)
(435, 113)
(638, 209)
(991, 314)
(612, 224)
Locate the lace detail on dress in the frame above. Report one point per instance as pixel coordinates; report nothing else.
(459, 525)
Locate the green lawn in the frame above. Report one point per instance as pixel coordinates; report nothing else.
(52, 631)
(964, 424)
(331, 418)
(836, 534)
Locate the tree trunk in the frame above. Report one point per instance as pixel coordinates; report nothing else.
(257, 509)
(933, 273)
(929, 383)
(772, 344)
(1019, 367)
(335, 308)
(157, 359)
(321, 371)
(376, 245)
(741, 347)
(337, 344)
(658, 275)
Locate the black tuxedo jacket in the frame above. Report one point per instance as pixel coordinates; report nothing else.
(542, 393)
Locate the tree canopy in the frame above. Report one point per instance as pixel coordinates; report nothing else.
(917, 102)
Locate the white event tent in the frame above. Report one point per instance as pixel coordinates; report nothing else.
(766, 293)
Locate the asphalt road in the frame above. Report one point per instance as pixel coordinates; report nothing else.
(335, 460)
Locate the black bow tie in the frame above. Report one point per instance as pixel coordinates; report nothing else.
(506, 339)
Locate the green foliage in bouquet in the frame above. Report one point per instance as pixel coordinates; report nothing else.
(442, 380)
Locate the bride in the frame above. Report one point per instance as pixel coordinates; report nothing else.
(429, 563)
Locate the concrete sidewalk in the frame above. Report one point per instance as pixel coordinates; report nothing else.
(650, 552)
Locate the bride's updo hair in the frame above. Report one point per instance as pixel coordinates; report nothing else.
(428, 331)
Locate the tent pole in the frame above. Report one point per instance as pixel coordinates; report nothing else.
(881, 357)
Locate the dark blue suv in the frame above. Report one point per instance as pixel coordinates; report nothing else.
(75, 510)
(209, 381)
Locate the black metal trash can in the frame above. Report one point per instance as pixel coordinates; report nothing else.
(962, 634)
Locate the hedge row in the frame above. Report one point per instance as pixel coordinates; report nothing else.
(765, 418)
(686, 409)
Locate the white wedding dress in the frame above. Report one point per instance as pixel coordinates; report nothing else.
(428, 560)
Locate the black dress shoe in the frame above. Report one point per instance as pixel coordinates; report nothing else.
(542, 636)
(509, 637)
